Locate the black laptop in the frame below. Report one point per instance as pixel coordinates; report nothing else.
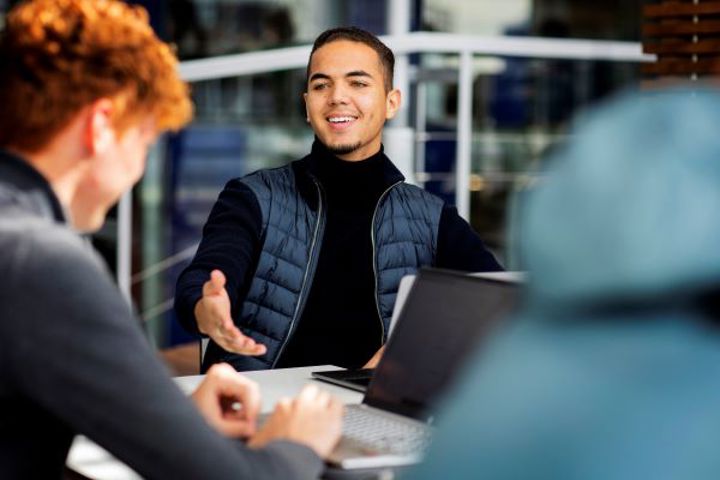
(359, 379)
(445, 317)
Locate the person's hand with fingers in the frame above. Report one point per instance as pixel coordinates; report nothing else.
(313, 418)
(212, 313)
(228, 401)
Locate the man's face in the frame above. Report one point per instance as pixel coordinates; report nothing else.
(114, 171)
(346, 101)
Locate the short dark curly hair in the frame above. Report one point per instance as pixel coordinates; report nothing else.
(355, 34)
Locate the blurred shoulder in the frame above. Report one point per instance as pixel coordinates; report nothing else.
(31, 246)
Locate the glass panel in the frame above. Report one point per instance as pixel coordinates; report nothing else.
(205, 28)
(241, 125)
(521, 108)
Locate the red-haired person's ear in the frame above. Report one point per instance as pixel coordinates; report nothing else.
(100, 131)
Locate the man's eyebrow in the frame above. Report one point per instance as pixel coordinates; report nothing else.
(354, 73)
(358, 73)
(319, 76)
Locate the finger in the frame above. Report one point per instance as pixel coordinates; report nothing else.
(215, 285)
(258, 349)
(249, 344)
(230, 345)
(247, 394)
(284, 404)
(323, 399)
(238, 389)
(308, 394)
(237, 427)
(254, 349)
(245, 345)
(217, 278)
(229, 331)
(233, 335)
(336, 407)
(209, 289)
(229, 328)
(373, 362)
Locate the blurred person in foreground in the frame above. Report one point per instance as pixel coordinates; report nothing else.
(612, 369)
(86, 88)
(300, 265)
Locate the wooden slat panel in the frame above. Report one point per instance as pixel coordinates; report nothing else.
(681, 67)
(668, 34)
(680, 28)
(683, 47)
(675, 9)
(663, 84)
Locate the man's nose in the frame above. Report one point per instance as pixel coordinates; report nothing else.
(338, 95)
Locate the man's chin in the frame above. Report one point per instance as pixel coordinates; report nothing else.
(342, 149)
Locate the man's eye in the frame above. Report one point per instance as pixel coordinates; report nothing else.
(359, 84)
(319, 86)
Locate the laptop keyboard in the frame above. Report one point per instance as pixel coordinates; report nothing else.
(384, 433)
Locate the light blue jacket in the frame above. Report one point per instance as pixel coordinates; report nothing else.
(612, 369)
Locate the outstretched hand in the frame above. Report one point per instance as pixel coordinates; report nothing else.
(212, 313)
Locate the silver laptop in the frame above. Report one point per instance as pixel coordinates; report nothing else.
(444, 318)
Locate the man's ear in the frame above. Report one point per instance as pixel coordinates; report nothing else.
(99, 131)
(392, 103)
(307, 114)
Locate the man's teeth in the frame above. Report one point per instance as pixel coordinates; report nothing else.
(340, 119)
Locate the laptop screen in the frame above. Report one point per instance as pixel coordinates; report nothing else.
(443, 319)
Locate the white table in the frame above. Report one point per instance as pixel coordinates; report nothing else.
(94, 462)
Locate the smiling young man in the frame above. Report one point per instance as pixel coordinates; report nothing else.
(300, 265)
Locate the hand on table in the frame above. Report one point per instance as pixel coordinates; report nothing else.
(313, 418)
(228, 401)
(212, 313)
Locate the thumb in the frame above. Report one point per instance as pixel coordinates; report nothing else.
(217, 278)
(216, 283)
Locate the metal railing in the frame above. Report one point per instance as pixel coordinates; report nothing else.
(467, 47)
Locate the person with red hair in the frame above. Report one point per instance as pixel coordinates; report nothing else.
(86, 87)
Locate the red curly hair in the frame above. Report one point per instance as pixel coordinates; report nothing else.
(59, 56)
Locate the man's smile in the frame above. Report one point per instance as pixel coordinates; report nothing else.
(341, 122)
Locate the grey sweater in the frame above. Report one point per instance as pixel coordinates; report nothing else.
(74, 360)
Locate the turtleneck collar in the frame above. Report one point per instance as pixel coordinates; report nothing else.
(329, 167)
(331, 170)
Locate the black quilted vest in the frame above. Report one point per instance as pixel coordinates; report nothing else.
(405, 232)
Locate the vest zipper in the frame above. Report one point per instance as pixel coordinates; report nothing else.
(309, 271)
(374, 256)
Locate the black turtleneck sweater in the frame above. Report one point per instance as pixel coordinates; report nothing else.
(340, 324)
